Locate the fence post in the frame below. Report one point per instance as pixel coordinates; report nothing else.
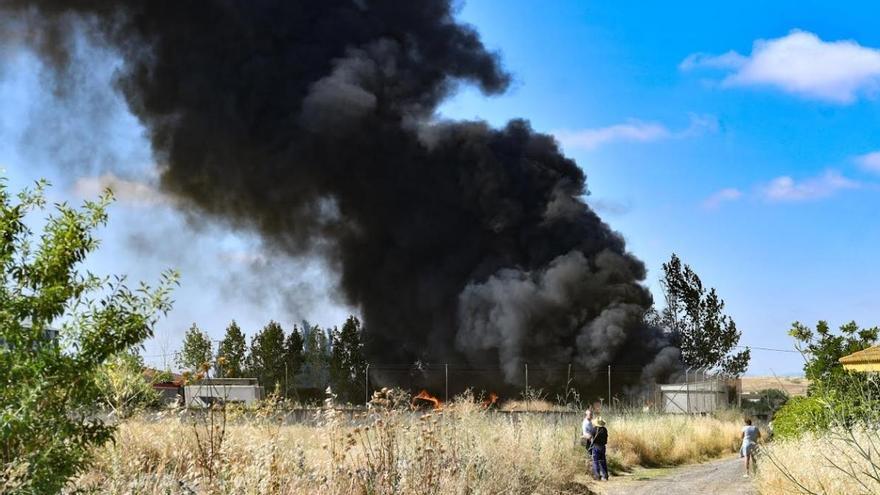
(527, 388)
(367, 385)
(739, 394)
(446, 380)
(609, 388)
(687, 388)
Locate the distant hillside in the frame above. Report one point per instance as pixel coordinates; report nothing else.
(793, 385)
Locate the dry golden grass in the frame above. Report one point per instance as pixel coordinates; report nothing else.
(462, 449)
(536, 405)
(792, 385)
(668, 440)
(807, 465)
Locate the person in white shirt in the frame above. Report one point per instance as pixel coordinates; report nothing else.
(750, 436)
(587, 432)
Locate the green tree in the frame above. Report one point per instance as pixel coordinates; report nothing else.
(266, 358)
(823, 348)
(347, 363)
(50, 394)
(232, 352)
(837, 398)
(695, 319)
(316, 357)
(293, 357)
(124, 388)
(196, 349)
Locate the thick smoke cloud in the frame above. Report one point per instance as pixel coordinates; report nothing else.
(313, 123)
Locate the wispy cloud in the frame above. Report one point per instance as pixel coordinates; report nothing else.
(869, 161)
(636, 131)
(723, 196)
(802, 64)
(125, 191)
(787, 189)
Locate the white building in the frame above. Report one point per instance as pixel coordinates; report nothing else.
(694, 398)
(210, 391)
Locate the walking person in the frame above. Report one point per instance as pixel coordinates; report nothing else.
(600, 440)
(587, 432)
(750, 436)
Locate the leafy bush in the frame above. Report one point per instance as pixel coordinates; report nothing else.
(50, 393)
(800, 415)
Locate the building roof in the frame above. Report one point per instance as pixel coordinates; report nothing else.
(869, 355)
(866, 360)
(150, 374)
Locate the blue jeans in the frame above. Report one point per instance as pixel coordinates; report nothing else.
(600, 467)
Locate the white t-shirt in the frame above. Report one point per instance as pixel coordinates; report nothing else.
(587, 428)
(750, 433)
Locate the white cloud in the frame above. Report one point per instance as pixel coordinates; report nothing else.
(800, 63)
(125, 191)
(786, 189)
(635, 131)
(722, 196)
(869, 161)
(729, 60)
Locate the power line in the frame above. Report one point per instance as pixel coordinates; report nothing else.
(766, 349)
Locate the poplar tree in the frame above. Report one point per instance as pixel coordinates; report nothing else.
(196, 350)
(232, 352)
(293, 359)
(347, 363)
(266, 358)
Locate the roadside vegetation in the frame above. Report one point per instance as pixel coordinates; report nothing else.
(462, 448)
(63, 332)
(827, 442)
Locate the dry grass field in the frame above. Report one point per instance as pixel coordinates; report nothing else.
(461, 449)
(834, 463)
(792, 385)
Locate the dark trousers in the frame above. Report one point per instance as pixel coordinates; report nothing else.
(600, 467)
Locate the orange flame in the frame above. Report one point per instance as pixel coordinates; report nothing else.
(425, 396)
(490, 400)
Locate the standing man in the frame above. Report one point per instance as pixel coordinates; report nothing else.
(750, 436)
(600, 439)
(587, 432)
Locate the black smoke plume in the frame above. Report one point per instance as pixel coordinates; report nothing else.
(313, 122)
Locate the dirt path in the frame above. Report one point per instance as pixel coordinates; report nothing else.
(722, 477)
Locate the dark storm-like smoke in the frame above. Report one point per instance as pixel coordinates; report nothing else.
(313, 122)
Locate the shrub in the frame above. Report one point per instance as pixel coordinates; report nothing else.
(798, 416)
(48, 399)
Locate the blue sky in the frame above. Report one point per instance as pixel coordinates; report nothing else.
(738, 136)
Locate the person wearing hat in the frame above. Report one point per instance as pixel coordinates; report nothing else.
(600, 440)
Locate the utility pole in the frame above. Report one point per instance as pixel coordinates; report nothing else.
(528, 400)
(609, 387)
(446, 380)
(286, 388)
(367, 385)
(687, 385)
(567, 381)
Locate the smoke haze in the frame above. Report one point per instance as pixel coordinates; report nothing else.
(313, 124)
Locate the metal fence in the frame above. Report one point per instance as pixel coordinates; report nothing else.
(523, 388)
(614, 386)
(697, 391)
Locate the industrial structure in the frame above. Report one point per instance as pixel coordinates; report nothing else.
(206, 392)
